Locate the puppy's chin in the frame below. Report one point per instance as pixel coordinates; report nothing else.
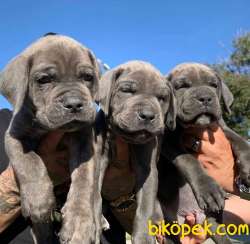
(76, 125)
(204, 120)
(138, 137)
(201, 121)
(67, 123)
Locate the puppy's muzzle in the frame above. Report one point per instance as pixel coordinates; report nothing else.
(146, 114)
(200, 106)
(205, 100)
(73, 104)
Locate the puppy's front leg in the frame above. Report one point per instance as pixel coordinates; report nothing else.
(101, 165)
(147, 184)
(78, 218)
(36, 188)
(208, 193)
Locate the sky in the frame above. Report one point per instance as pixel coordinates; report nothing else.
(162, 32)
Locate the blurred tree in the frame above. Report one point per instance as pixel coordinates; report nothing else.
(240, 57)
(236, 73)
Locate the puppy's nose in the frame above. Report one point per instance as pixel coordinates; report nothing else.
(146, 115)
(205, 100)
(73, 104)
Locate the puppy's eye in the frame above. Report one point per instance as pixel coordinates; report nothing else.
(215, 85)
(128, 89)
(87, 77)
(45, 78)
(161, 98)
(180, 86)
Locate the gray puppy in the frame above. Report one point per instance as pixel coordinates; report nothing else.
(52, 86)
(198, 90)
(135, 98)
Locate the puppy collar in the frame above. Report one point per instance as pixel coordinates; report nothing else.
(124, 203)
(97, 107)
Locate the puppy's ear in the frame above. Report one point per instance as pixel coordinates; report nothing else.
(94, 62)
(172, 109)
(14, 81)
(226, 95)
(97, 71)
(106, 88)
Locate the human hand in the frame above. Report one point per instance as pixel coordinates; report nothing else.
(193, 239)
(214, 153)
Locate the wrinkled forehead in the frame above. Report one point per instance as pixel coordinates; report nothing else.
(195, 75)
(144, 78)
(59, 55)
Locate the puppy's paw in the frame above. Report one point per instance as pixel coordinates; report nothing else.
(143, 238)
(77, 231)
(209, 195)
(76, 228)
(37, 201)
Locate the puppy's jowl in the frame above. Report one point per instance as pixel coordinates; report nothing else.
(52, 85)
(135, 98)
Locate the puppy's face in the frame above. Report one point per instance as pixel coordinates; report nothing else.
(198, 91)
(139, 102)
(62, 85)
